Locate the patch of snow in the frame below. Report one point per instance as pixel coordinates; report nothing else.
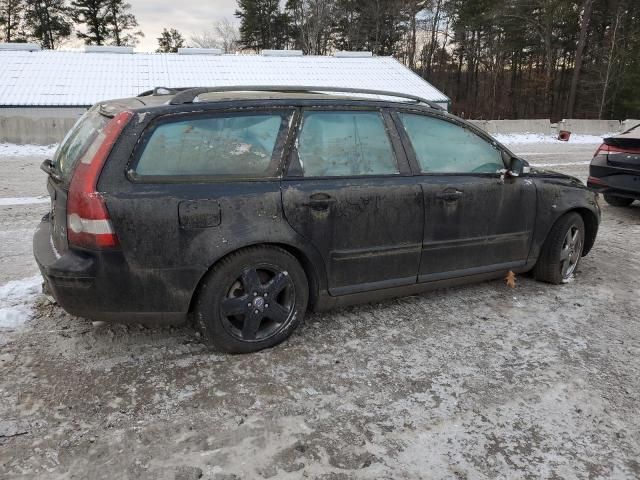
(9, 201)
(518, 138)
(14, 150)
(565, 164)
(16, 301)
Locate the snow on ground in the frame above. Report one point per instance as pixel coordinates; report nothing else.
(16, 301)
(518, 138)
(480, 381)
(11, 201)
(13, 150)
(561, 164)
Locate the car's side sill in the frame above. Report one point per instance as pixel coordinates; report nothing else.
(328, 302)
(365, 287)
(431, 277)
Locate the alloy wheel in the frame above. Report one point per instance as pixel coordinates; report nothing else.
(571, 251)
(258, 304)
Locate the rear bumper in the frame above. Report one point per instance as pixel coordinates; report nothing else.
(99, 285)
(617, 181)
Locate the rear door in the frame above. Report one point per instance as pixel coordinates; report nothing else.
(349, 192)
(476, 221)
(199, 184)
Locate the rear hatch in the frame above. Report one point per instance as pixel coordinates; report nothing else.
(76, 144)
(624, 150)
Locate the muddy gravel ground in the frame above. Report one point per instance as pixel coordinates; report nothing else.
(481, 381)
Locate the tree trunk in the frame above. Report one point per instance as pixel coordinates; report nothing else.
(582, 40)
(603, 99)
(434, 31)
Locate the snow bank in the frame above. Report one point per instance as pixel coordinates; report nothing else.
(13, 150)
(16, 301)
(517, 138)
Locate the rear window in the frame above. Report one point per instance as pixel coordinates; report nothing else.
(230, 144)
(77, 141)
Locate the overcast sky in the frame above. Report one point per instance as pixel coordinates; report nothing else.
(187, 16)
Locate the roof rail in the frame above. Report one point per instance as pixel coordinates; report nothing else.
(189, 95)
(162, 91)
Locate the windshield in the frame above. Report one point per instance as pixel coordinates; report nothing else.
(77, 141)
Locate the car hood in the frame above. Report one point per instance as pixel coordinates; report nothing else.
(570, 180)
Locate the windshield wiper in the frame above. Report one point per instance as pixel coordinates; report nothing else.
(50, 169)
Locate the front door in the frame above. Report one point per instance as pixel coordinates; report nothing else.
(475, 220)
(349, 193)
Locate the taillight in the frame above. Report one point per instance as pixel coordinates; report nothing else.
(88, 222)
(595, 181)
(603, 149)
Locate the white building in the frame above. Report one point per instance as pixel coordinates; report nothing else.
(50, 84)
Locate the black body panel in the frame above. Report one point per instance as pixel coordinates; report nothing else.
(481, 228)
(368, 231)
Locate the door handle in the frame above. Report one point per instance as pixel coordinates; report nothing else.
(449, 195)
(319, 201)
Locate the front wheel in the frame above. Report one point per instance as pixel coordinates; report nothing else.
(615, 201)
(561, 251)
(252, 299)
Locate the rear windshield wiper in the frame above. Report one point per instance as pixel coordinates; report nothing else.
(50, 169)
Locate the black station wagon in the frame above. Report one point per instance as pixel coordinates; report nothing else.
(241, 209)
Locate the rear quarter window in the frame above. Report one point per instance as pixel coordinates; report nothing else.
(233, 144)
(77, 141)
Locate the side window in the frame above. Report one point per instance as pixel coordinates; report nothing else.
(333, 144)
(234, 144)
(442, 146)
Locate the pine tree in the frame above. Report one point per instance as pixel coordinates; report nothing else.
(170, 41)
(11, 19)
(263, 25)
(120, 23)
(48, 22)
(93, 15)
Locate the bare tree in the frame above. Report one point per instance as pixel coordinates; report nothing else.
(205, 39)
(224, 35)
(312, 21)
(228, 34)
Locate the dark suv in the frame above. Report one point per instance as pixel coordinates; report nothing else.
(246, 208)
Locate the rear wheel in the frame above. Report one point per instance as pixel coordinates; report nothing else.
(253, 299)
(561, 251)
(617, 201)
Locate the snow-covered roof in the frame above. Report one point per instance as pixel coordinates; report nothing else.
(75, 78)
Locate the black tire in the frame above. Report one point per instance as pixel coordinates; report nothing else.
(557, 250)
(233, 310)
(615, 201)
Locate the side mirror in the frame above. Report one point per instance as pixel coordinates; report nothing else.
(518, 167)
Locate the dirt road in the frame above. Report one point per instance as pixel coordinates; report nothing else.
(480, 381)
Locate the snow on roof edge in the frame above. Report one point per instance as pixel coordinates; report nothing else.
(77, 78)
